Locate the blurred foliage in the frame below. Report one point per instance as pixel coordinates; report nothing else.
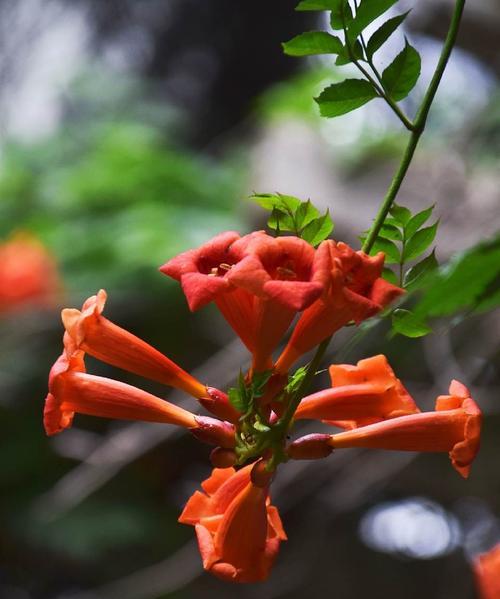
(113, 199)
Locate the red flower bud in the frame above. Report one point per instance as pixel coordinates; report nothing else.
(213, 431)
(310, 447)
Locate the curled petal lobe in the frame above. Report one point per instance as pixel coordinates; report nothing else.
(90, 331)
(72, 390)
(454, 427)
(238, 531)
(56, 416)
(202, 271)
(465, 450)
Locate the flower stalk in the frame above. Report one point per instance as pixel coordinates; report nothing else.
(417, 127)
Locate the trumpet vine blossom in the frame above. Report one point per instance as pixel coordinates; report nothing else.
(294, 291)
(261, 285)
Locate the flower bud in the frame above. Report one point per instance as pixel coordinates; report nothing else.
(213, 431)
(223, 458)
(310, 447)
(260, 476)
(218, 403)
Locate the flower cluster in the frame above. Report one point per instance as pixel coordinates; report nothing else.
(261, 285)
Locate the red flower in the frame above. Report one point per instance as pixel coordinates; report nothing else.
(284, 269)
(238, 531)
(258, 282)
(202, 273)
(360, 395)
(487, 570)
(28, 274)
(284, 276)
(454, 427)
(72, 390)
(101, 338)
(355, 291)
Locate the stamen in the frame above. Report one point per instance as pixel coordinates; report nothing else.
(286, 273)
(225, 266)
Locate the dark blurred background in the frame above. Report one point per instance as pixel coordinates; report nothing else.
(132, 130)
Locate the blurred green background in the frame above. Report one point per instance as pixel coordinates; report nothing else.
(132, 130)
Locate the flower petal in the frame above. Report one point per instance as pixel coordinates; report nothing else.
(104, 340)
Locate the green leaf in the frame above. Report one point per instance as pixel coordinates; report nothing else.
(318, 229)
(239, 396)
(390, 275)
(489, 298)
(317, 5)
(341, 14)
(259, 382)
(383, 33)
(280, 221)
(406, 323)
(341, 98)
(400, 77)
(389, 248)
(390, 232)
(467, 282)
(368, 11)
(282, 208)
(416, 221)
(345, 58)
(261, 427)
(238, 399)
(242, 397)
(420, 241)
(401, 214)
(305, 214)
(417, 275)
(295, 380)
(276, 200)
(291, 214)
(313, 42)
(392, 221)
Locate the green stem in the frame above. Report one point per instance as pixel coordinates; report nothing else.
(286, 418)
(381, 92)
(280, 429)
(378, 88)
(418, 127)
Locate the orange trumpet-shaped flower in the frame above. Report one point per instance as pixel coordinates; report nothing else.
(202, 273)
(28, 274)
(72, 390)
(360, 395)
(101, 338)
(454, 427)
(238, 531)
(285, 276)
(354, 291)
(487, 570)
(258, 282)
(284, 269)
